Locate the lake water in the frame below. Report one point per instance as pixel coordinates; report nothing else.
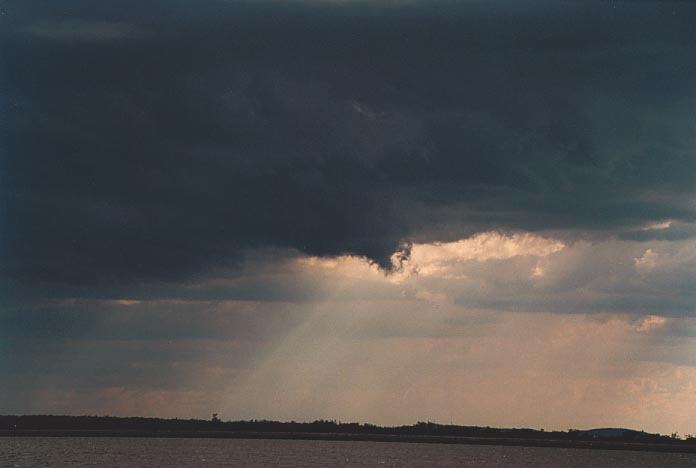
(127, 452)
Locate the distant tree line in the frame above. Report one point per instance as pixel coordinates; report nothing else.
(111, 423)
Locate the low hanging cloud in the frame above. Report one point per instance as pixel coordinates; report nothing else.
(336, 129)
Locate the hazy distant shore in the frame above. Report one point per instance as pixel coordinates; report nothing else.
(420, 432)
(579, 444)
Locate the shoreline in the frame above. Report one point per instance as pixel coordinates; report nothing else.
(423, 439)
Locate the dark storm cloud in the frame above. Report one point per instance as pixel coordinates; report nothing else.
(157, 141)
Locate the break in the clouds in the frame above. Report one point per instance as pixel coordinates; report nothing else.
(204, 194)
(505, 330)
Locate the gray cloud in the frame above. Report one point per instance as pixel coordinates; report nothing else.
(333, 128)
(79, 31)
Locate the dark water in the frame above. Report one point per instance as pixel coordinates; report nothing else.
(125, 452)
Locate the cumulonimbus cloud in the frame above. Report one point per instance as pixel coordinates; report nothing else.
(335, 129)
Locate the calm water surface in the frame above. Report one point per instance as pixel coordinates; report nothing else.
(126, 452)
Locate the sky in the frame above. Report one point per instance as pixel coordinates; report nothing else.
(477, 212)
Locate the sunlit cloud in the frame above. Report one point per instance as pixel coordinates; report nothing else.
(651, 322)
(658, 226)
(442, 259)
(647, 261)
